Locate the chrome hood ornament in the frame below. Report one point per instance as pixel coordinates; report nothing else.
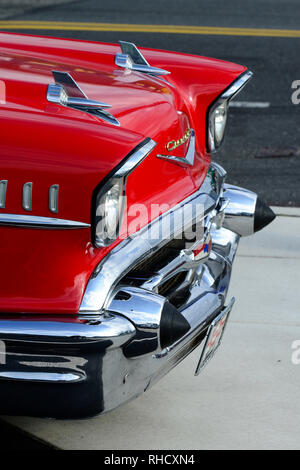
(132, 58)
(188, 159)
(68, 93)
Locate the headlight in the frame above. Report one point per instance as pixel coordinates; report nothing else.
(109, 212)
(108, 202)
(217, 125)
(217, 114)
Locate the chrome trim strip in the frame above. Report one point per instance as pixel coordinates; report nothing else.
(188, 159)
(237, 85)
(27, 197)
(135, 159)
(42, 376)
(112, 329)
(34, 221)
(3, 188)
(131, 58)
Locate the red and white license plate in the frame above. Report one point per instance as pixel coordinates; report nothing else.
(214, 336)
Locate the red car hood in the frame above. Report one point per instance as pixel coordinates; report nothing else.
(45, 143)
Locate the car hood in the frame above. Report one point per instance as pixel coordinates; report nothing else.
(48, 144)
(42, 140)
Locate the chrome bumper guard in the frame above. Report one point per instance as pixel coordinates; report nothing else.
(115, 348)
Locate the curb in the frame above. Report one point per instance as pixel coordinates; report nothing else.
(286, 211)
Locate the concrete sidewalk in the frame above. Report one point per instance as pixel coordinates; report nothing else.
(247, 397)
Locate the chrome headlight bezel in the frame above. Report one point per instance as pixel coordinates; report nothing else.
(216, 136)
(118, 179)
(214, 141)
(109, 211)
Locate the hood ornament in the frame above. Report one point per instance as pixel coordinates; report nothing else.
(132, 58)
(188, 159)
(68, 93)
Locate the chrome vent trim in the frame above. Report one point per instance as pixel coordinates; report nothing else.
(27, 197)
(67, 92)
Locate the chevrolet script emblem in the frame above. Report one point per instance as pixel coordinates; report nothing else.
(188, 159)
(173, 144)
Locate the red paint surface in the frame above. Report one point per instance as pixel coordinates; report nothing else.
(45, 271)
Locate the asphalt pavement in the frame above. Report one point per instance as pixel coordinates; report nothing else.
(274, 171)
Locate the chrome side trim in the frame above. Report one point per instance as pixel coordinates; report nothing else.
(132, 58)
(3, 188)
(34, 221)
(188, 159)
(67, 92)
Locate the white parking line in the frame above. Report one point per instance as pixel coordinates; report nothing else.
(249, 104)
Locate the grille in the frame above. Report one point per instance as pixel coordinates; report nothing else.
(167, 253)
(176, 288)
(172, 284)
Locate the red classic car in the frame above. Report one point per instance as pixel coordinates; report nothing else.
(117, 232)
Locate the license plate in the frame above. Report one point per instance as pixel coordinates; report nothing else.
(214, 336)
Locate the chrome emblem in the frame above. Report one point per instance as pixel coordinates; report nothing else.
(200, 250)
(188, 159)
(173, 144)
(3, 186)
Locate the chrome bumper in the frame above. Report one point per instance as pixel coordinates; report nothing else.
(129, 331)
